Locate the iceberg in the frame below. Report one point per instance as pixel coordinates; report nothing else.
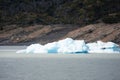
(70, 46)
(103, 47)
(76, 46)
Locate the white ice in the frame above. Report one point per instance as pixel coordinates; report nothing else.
(68, 46)
(103, 47)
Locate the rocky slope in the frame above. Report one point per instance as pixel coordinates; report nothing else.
(48, 33)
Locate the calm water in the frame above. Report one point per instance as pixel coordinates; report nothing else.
(15, 66)
(59, 67)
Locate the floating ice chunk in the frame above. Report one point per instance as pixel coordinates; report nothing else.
(76, 46)
(80, 46)
(103, 47)
(106, 44)
(69, 45)
(35, 48)
(21, 51)
(51, 47)
(65, 42)
(110, 45)
(40, 50)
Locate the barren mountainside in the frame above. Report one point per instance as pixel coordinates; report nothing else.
(48, 33)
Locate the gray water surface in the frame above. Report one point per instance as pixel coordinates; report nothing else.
(54, 67)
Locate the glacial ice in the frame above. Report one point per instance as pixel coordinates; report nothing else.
(70, 46)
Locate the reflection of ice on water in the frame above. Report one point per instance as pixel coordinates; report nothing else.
(69, 46)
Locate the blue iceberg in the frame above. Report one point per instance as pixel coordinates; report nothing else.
(70, 46)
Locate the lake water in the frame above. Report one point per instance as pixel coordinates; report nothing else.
(15, 66)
